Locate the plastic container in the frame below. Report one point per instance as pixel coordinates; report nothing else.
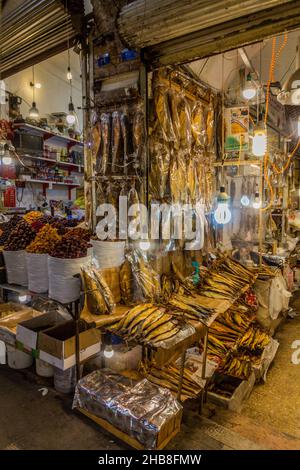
(16, 267)
(108, 254)
(65, 380)
(43, 369)
(17, 359)
(37, 270)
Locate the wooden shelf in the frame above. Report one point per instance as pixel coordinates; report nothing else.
(48, 135)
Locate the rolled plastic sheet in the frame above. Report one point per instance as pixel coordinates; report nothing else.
(139, 409)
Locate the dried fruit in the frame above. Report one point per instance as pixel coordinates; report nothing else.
(70, 247)
(20, 237)
(45, 241)
(79, 232)
(32, 216)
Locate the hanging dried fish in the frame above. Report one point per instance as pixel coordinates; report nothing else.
(95, 142)
(191, 179)
(173, 104)
(138, 135)
(197, 124)
(124, 131)
(185, 125)
(210, 126)
(116, 135)
(105, 147)
(163, 113)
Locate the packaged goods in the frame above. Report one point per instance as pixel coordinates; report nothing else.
(20, 237)
(141, 410)
(44, 241)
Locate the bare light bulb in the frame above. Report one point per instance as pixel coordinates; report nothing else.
(34, 112)
(222, 213)
(38, 85)
(249, 91)
(71, 116)
(257, 201)
(108, 352)
(22, 298)
(245, 201)
(259, 143)
(69, 74)
(144, 245)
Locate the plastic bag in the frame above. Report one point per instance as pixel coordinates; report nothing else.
(94, 302)
(105, 143)
(126, 283)
(163, 113)
(184, 114)
(198, 125)
(37, 269)
(16, 267)
(146, 278)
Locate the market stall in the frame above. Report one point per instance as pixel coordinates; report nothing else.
(173, 285)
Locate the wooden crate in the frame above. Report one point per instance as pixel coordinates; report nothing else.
(167, 432)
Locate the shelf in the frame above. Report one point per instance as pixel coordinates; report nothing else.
(50, 160)
(47, 135)
(51, 182)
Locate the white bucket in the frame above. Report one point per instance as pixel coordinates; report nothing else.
(43, 369)
(16, 268)
(108, 254)
(37, 270)
(63, 286)
(17, 359)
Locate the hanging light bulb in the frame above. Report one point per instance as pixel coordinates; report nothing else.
(6, 159)
(257, 201)
(34, 112)
(249, 90)
(144, 245)
(259, 143)
(245, 201)
(108, 352)
(222, 213)
(69, 74)
(71, 116)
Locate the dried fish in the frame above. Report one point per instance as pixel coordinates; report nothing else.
(163, 113)
(138, 135)
(116, 135)
(124, 131)
(105, 144)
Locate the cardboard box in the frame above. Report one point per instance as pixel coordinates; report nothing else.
(57, 345)
(240, 394)
(8, 324)
(28, 330)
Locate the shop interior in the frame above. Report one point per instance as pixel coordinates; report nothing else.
(167, 341)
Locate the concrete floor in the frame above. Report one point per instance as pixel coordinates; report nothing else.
(269, 420)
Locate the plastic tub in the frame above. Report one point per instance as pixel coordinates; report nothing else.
(43, 369)
(18, 359)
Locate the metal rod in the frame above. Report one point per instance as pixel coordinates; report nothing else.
(181, 375)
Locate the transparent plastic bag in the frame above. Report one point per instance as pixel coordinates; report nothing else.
(94, 302)
(184, 114)
(198, 125)
(105, 143)
(163, 112)
(146, 278)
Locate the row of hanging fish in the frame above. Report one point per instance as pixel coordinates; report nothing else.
(118, 142)
(181, 138)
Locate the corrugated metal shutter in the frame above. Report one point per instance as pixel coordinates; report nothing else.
(176, 32)
(34, 31)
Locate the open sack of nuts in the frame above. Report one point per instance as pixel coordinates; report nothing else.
(66, 259)
(15, 255)
(37, 258)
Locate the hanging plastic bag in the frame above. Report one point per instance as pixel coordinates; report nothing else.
(146, 278)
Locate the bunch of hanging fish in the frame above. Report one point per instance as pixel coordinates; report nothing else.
(146, 323)
(226, 280)
(168, 376)
(117, 143)
(179, 142)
